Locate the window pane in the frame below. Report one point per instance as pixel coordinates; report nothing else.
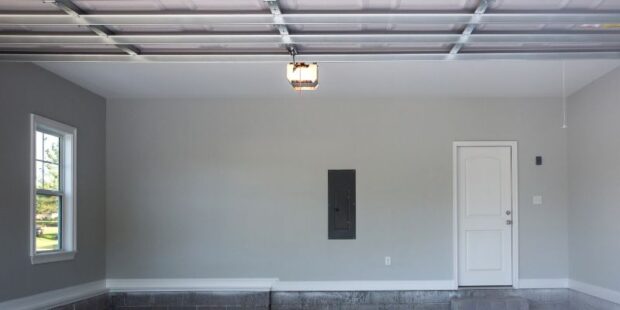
(51, 148)
(47, 230)
(39, 174)
(51, 177)
(38, 150)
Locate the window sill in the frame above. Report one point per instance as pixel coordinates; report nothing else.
(43, 258)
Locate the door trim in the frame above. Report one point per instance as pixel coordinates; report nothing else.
(515, 205)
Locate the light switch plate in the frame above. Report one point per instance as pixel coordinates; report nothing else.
(537, 200)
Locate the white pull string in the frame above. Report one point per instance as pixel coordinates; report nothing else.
(564, 118)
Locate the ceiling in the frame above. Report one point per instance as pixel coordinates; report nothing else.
(458, 79)
(238, 48)
(324, 30)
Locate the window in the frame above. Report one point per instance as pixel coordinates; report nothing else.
(52, 203)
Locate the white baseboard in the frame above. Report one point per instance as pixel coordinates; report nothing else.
(269, 284)
(596, 291)
(55, 298)
(74, 293)
(146, 285)
(361, 285)
(543, 283)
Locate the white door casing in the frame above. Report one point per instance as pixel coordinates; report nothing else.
(485, 211)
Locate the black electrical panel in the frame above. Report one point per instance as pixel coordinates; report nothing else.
(341, 204)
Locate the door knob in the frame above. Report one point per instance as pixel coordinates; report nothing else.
(508, 212)
(508, 222)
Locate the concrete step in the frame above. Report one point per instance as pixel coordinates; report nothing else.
(490, 303)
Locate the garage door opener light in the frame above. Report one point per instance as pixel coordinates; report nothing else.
(303, 76)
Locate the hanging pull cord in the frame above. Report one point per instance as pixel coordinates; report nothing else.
(564, 108)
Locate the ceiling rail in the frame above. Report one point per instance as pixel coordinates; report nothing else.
(471, 26)
(280, 25)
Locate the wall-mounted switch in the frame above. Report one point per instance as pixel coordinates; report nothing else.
(537, 200)
(538, 160)
(388, 261)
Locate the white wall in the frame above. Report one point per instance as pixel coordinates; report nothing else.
(594, 183)
(238, 189)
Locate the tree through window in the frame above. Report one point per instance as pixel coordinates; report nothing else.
(48, 215)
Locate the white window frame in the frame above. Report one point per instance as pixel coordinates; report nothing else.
(69, 190)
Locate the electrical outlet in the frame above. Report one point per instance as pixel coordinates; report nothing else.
(388, 261)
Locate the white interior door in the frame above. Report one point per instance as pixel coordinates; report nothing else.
(484, 206)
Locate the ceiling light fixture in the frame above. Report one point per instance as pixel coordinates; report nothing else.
(303, 76)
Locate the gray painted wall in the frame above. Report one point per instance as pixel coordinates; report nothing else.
(594, 182)
(238, 189)
(25, 89)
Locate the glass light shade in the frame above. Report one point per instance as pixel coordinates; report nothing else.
(303, 76)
